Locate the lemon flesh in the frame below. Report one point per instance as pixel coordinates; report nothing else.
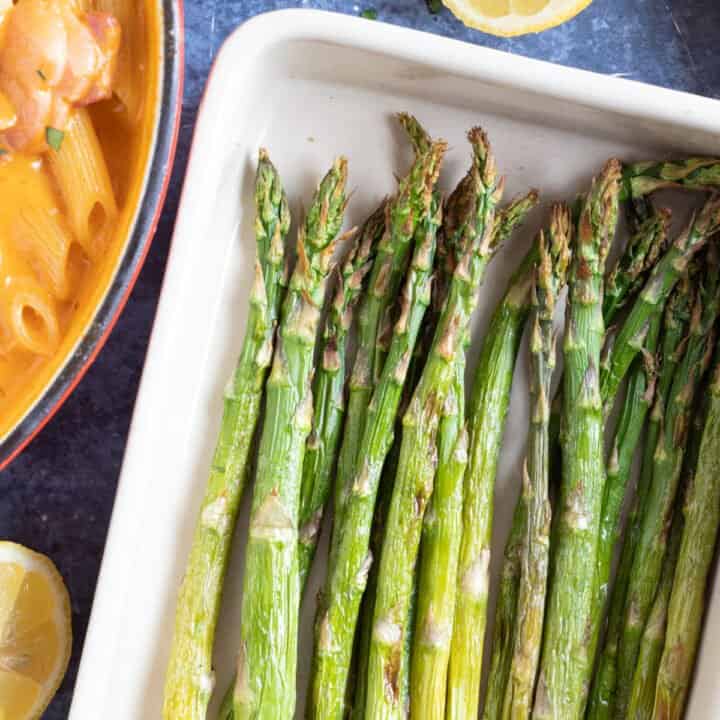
(35, 632)
(515, 17)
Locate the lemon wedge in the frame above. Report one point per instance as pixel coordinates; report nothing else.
(35, 632)
(515, 17)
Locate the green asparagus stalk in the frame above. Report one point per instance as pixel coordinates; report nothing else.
(329, 402)
(361, 655)
(675, 323)
(638, 400)
(403, 216)
(442, 530)
(440, 547)
(421, 142)
(651, 299)
(382, 503)
(265, 682)
(514, 314)
(505, 614)
(638, 210)
(626, 279)
(667, 465)
(642, 695)
(444, 266)
(565, 663)
(415, 476)
(363, 632)
(602, 699)
(638, 256)
(337, 616)
(512, 215)
(500, 350)
(640, 179)
(549, 281)
(329, 389)
(486, 422)
(190, 679)
(419, 137)
(507, 220)
(687, 601)
(504, 628)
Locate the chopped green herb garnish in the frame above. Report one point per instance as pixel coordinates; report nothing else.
(54, 138)
(41, 75)
(434, 6)
(369, 14)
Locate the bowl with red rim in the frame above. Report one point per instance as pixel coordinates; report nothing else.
(164, 50)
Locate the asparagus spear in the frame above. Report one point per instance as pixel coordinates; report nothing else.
(675, 322)
(503, 640)
(602, 699)
(514, 315)
(415, 476)
(265, 682)
(329, 389)
(640, 179)
(637, 259)
(549, 281)
(638, 400)
(565, 665)
(687, 601)
(347, 576)
(443, 266)
(418, 136)
(404, 213)
(512, 215)
(486, 422)
(190, 679)
(642, 696)
(651, 300)
(506, 221)
(329, 402)
(361, 653)
(504, 628)
(667, 462)
(442, 531)
(640, 256)
(382, 503)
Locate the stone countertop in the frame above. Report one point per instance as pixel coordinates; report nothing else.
(58, 496)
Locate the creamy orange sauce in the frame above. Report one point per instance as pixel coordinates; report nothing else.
(126, 144)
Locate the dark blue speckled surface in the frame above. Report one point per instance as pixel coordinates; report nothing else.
(58, 496)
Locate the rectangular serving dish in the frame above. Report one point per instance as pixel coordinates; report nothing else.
(309, 85)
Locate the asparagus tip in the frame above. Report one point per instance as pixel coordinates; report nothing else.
(417, 134)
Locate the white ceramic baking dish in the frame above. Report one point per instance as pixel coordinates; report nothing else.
(309, 85)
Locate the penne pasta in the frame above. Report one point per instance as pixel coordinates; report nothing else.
(28, 311)
(44, 236)
(84, 182)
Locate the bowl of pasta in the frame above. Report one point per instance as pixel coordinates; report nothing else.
(90, 97)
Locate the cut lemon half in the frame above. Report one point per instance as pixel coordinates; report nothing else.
(515, 17)
(35, 632)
